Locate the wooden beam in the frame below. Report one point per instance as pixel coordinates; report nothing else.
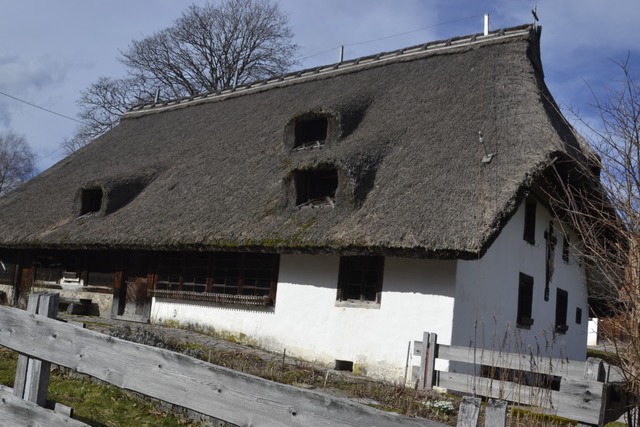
(524, 362)
(578, 400)
(496, 413)
(18, 412)
(175, 378)
(424, 361)
(469, 412)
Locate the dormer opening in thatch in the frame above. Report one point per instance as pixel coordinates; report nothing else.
(90, 200)
(316, 187)
(311, 132)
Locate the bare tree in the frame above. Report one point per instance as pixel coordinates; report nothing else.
(208, 48)
(17, 161)
(602, 202)
(102, 104)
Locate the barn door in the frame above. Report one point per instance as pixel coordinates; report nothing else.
(131, 300)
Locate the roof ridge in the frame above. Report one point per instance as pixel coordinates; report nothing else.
(304, 74)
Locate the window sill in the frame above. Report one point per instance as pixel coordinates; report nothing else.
(358, 304)
(524, 323)
(561, 329)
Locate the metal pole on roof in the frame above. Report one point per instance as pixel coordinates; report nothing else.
(341, 53)
(486, 24)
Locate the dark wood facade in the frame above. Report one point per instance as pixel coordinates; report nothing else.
(134, 277)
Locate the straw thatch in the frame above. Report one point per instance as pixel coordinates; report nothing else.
(216, 172)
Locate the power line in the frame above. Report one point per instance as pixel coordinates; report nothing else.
(41, 108)
(389, 36)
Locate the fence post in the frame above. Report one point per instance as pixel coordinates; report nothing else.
(469, 412)
(32, 375)
(428, 356)
(594, 370)
(496, 413)
(423, 361)
(432, 353)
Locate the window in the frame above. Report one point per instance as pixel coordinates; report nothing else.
(360, 278)
(7, 272)
(562, 299)
(310, 133)
(530, 221)
(90, 200)
(525, 301)
(183, 272)
(245, 274)
(316, 187)
(565, 249)
(578, 316)
(228, 277)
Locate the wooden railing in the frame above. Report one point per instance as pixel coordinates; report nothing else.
(575, 390)
(180, 380)
(223, 299)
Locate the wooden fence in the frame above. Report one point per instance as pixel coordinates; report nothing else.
(575, 390)
(212, 390)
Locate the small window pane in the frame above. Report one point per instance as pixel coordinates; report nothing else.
(360, 278)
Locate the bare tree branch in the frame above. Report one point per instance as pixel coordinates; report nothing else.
(601, 199)
(208, 48)
(17, 162)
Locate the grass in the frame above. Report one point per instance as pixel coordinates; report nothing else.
(382, 395)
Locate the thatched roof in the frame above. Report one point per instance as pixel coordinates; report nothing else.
(216, 172)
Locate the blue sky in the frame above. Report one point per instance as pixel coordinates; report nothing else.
(51, 50)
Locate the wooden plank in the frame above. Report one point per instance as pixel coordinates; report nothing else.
(579, 400)
(20, 382)
(19, 412)
(422, 373)
(235, 397)
(594, 369)
(39, 371)
(525, 362)
(469, 412)
(496, 413)
(54, 406)
(616, 403)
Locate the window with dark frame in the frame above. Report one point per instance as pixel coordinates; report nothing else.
(7, 272)
(562, 301)
(316, 186)
(360, 278)
(578, 316)
(101, 270)
(525, 301)
(90, 200)
(310, 132)
(220, 273)
(530, 221)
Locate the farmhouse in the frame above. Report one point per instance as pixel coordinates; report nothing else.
(336, 212)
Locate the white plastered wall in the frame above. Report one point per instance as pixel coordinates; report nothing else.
(417, 296)
(487, 290)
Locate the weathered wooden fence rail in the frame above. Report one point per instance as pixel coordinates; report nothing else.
(222, 393)
(569, 389)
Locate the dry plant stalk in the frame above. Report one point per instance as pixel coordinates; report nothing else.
(599, 196)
